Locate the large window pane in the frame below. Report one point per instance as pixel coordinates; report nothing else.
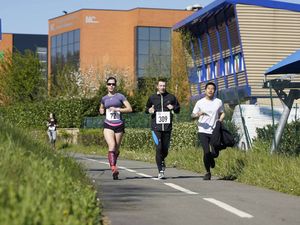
(154, 33)
(153, 51)
(143, 61)
(65, 38)
(154, 63)
(76, 47)
(76, 35)
(65, 52)
(65, 49)
(53, 42)
(53, 52)
(141, 73)
(143, 33)
(165, 34)
(70, 49)
(58, 52)
(165, 48)
(70, 37)
(165, 62)
(143, 47)
(154, 47)
(58, 40)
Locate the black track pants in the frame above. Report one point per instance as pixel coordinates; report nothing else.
(207, 156)
(162, 142)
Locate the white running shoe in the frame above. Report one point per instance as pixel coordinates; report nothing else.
(161, 175)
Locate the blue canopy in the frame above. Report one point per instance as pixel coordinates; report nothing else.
(290, 64)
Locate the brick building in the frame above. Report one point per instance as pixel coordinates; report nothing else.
(37, 43)
(132, 40)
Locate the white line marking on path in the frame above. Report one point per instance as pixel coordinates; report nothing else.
(106, 163)
(181, 189)
(228, 208)
(144, 175)
(129, 170)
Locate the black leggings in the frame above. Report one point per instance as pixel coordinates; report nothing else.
(162, 142)
(208, 155)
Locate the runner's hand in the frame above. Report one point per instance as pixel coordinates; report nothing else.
(151, 110)
(170, 107)
(201, 114)
(101, 111)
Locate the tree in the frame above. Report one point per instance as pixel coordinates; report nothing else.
(179, 76)
(21, 78)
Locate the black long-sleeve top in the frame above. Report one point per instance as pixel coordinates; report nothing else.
(160, 102)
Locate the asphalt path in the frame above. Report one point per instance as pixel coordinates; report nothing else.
(138, 197)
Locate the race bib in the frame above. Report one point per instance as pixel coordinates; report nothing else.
(52, 128)
(163, 117)
(112, 116)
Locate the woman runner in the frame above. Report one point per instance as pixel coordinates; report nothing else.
(113, 105)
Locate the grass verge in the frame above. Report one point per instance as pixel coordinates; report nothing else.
(256, 167)
(39, 186)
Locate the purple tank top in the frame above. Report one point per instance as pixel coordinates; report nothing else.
(113, 101)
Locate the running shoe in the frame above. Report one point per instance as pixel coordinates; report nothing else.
(161, 175)
(207, 176)
(115, 172)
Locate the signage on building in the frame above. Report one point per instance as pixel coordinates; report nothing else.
(67, 21)
(91, 19)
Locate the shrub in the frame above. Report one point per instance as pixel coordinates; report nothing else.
(183, 135)
(89, 137)
(21, 78)
(69, 112)
(290, 139)
(136, 139)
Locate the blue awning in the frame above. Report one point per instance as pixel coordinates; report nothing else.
(290, 64)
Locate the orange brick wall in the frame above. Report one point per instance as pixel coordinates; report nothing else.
(108, 38)
(6, 44)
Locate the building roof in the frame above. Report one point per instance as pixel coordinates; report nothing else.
(117, 10)
(219, 4)
(289, 65)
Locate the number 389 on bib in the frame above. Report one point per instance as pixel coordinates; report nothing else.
(163, 117)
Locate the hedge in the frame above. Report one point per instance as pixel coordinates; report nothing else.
(38, 186)
(69, 112)
(183, 135)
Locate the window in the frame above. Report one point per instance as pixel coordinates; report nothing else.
(153, 51)
(42, 55)
(65, 49)
(239, 62)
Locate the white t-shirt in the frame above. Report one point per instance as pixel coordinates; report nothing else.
(212, 109)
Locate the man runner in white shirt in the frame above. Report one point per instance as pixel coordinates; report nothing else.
(208, 110)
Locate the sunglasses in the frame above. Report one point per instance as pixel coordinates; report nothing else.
(111, 84)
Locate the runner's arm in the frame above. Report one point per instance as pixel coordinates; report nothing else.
(149, 104)
(222, 116)
(127, 108)
(176, 108)
(101, 109)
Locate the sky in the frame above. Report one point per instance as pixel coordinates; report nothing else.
(31, 16)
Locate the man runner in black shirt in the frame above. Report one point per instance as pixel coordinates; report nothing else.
(162, 105)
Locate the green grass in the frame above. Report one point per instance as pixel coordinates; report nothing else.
(39, 186)
(255, 167)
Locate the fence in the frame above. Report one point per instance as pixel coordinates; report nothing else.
(134, 120)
